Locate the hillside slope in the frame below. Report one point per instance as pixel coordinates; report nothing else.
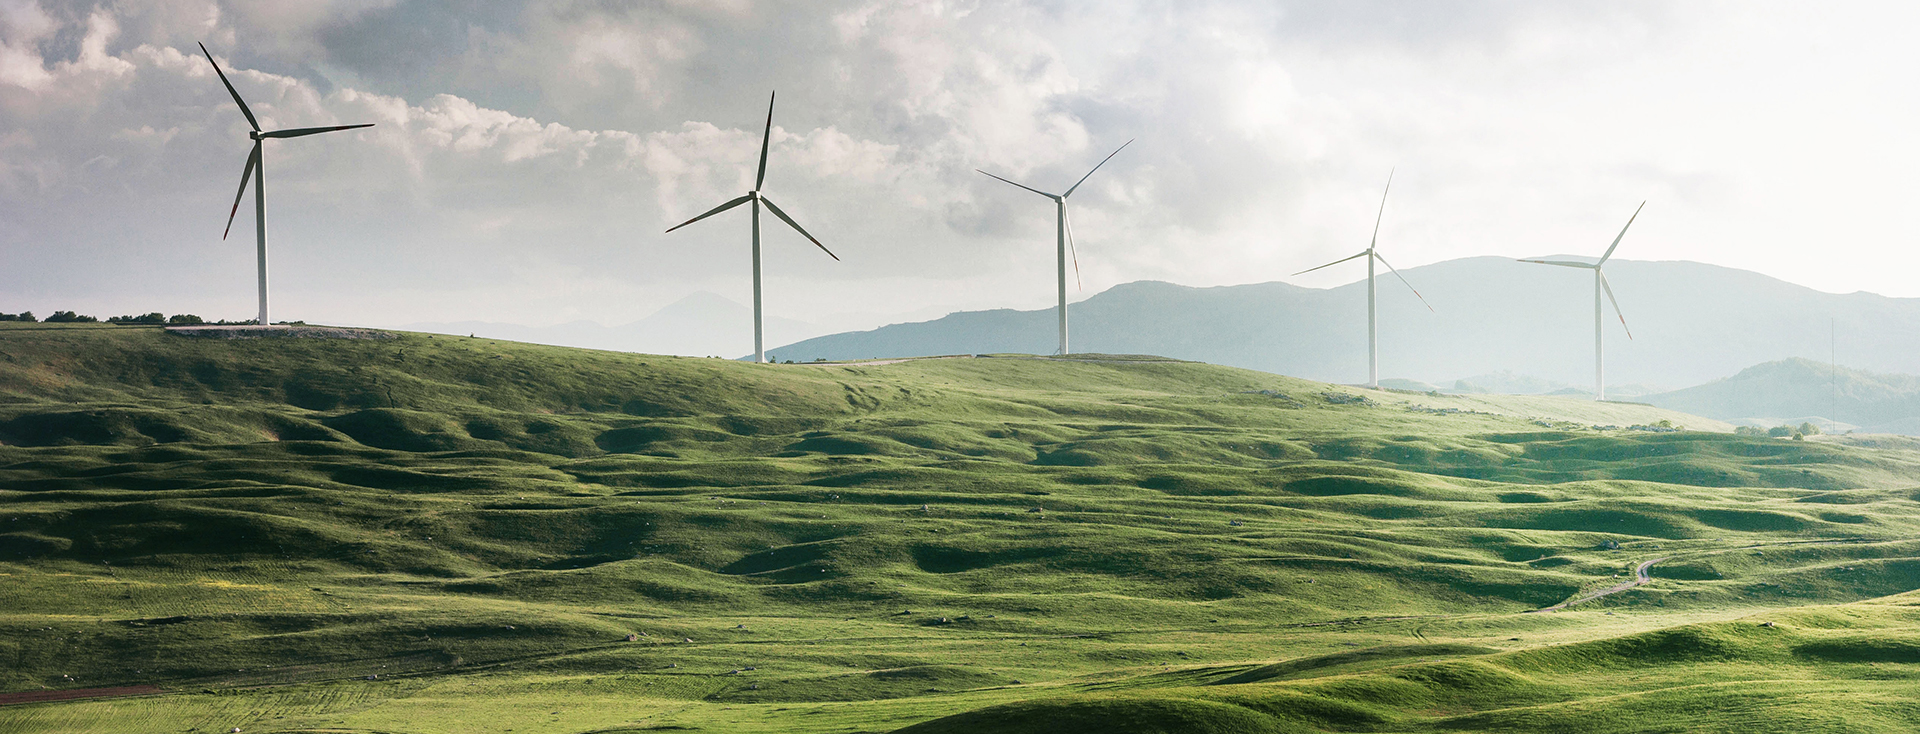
(1691, 323)
(1880, 403)
(428, 534)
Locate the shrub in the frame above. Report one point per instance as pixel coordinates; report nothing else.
(26, 316)
(69, 317)
(152, 318)
(1749, 431)
(1780, 431)
(1808, 429)
(185, 318)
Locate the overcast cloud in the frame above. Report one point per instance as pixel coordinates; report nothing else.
(527, 157)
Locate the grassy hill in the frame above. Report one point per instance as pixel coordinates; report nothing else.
(434, 534)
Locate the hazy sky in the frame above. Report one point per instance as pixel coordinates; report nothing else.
(528, 156)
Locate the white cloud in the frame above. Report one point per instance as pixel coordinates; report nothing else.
(527, 157)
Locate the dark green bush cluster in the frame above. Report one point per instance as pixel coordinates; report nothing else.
(26, 316)
(1804, 429)
(69, 317)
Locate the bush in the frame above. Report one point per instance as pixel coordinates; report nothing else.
(26, 316)
(1749, 431)
(69, 317)
(1780, 431)
(152, 318)
(1808, 429)
(185, 318)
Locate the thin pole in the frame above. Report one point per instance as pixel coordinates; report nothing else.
(1599, 347)
(1833, 361)
(1061, 214)
(1373, 329)
(759, 352)
(260, 228)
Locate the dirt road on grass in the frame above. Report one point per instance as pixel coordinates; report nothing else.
(1640, 576)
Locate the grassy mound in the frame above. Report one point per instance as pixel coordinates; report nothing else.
(432, 534)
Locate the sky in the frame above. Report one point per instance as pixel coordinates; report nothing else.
(527, 157)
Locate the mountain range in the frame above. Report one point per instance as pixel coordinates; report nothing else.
(702, 324)
(1691, 323)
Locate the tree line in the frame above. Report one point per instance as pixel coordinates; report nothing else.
(69, 317)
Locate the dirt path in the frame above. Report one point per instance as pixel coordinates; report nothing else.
(1640, 576)
(76, 693)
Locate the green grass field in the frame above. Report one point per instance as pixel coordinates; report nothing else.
(442, 534)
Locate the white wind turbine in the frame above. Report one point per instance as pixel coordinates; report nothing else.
(1064, 235)
(759, 353)
(1599, 286)
(256, 170)
(1373, 317)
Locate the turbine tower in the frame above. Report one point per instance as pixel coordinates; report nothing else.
(1599, 286)
(1373, 316)
(759, 352)
(256, 170)
(1064, 235)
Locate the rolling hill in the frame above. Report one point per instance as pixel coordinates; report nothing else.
(433, 534)
(1691, 323)
(1793, 388)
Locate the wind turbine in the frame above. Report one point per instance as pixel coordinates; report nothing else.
(1064, 235)
(1599, 285)
(759, 353)
(1373, 317)
(257, 171)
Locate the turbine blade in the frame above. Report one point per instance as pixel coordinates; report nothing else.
(300, 132)
(1103, 161)
(765, 140)
(1382, 213)
(1024, 186)
(1623, 233)
(253, 161)
(230, 90)
(715, 210)
(1331, 264)
(796, 227)
(1563, 263)
(1403, 279)
(1068, 219)
(1616, 304)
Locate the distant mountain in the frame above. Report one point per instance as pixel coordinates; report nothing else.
(700, 325)
(1799, 390)
(1691, 323)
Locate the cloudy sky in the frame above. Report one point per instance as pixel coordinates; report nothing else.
(527, 157)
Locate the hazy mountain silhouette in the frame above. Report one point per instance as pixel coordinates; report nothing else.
(1692, 322)
(702, 324)
(1790, 390)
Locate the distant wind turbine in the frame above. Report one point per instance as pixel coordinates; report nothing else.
(759, 352)
(1064, 235)
(1373, 317)
(1600, 285)
(257, 171)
